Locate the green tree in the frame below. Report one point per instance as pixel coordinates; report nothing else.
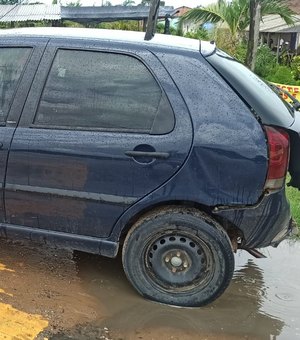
(236, 14)
(128, 3)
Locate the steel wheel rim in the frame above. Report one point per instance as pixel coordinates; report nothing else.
(178, 261)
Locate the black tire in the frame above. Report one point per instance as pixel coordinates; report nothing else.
(178, 257)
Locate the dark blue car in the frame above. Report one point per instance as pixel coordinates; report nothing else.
(169, 151)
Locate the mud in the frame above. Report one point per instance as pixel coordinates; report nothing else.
(84, 296)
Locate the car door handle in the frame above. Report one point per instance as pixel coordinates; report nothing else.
(152, 154)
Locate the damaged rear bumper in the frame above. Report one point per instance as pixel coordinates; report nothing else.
(262, 225)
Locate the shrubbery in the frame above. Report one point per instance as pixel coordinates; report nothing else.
(295, 66)
(265, 62)
(266, 65)
(283, 75)
(201, 34)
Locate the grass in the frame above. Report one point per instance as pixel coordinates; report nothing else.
(294, 198)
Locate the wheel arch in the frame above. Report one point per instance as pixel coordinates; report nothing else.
(155, 208)
(232, 232)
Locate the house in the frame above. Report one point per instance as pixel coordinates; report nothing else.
(278, 35)
(294, 5)
(57, 13)
(24, 13)
(187, 26)
(180, 11)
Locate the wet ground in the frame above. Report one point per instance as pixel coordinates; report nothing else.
(55, 294)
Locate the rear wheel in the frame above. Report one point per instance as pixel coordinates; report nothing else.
(178, 257)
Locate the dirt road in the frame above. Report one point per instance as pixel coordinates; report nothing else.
(56, 294)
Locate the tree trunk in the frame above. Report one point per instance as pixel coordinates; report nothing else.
(255, 16)
(152, 19)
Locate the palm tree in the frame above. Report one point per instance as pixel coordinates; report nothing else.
(236, 14)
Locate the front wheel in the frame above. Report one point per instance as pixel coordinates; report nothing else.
(178, 257)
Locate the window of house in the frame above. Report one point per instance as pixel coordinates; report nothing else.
(99, 90)
(12, 63)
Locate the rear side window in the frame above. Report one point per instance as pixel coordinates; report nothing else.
(12, 63)
(99, 90)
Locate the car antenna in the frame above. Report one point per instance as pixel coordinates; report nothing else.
(152, 19)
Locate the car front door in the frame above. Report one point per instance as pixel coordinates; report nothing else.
(98, 132)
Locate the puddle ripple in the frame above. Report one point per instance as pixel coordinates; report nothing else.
(279, 288)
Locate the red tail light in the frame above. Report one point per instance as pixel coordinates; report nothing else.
(279, 152)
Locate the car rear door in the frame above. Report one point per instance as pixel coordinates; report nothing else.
(102, 127)
(19, 59)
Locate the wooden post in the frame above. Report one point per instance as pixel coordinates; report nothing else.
(268, 39)
(144, 25)
(255, 16)
(152, 20)
(278, 48)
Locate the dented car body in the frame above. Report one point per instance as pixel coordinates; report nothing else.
(169, 149)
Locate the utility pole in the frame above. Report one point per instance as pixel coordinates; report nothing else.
(255, 16)
(152, 19)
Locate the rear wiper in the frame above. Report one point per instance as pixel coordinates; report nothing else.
(295, 102)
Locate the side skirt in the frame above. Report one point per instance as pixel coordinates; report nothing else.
(61, 240)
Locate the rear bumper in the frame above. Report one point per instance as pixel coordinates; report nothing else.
(290, 230)
(264, 224)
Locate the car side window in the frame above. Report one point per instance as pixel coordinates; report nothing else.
(12, 64)
(100, 90)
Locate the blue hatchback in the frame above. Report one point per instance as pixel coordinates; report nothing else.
(167, 150)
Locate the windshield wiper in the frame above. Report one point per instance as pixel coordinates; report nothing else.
(295, 102)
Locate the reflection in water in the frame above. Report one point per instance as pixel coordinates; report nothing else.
(237, 314)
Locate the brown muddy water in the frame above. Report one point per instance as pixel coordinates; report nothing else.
(81, 296)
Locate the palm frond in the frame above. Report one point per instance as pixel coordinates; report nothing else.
(278, 7)
(213, 13)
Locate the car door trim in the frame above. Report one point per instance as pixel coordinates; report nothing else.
(104, 198)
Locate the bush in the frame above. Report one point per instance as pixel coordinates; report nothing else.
(295, 66)
(241, 52)
(225, 41)
(160, 28)
(200, 34)
(282, 75)
(265, 62)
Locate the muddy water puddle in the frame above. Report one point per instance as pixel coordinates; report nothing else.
(83, 296)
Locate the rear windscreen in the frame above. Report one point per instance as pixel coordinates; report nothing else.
(268, 105)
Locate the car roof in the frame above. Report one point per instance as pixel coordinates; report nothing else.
(110, 35)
